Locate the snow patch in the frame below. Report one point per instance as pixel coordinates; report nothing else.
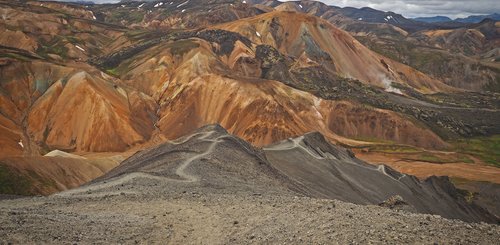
(80, 48)
(21, 143)
(58, 153)
(244, 1)
(300, 5)
(158, 5)
(182, 4)
(360, 18)
(258, 34)
(317, 102)
(140, 6)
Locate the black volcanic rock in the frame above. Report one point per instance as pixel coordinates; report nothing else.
(307, 165)
(326, 171)
(225, 39)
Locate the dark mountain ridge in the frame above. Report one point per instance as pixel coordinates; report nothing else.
(307, 164)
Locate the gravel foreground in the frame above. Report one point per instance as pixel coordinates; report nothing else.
(224, 218)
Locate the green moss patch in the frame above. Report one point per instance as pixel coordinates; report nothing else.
(393, 149)
(485, 148)
(439, 158)
(14, 183)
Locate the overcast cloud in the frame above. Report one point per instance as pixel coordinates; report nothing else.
(419, 8)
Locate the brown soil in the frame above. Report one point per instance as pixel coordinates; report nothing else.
(475, 172)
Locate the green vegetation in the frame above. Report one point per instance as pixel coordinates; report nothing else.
(485, 148)
(467, 195)
(415, 154)
(127, 15)
(439, 158)
(113, 72)
(15, 56)
(74, 40)
(393, 149)
(55, 47)
(13, 183)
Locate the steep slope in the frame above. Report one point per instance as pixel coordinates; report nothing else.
(46, 88)
(116, 119)
(473, 40)
(279, 117)
(405, 41)
(56, 172)
(331, 172)
(365, 14)
(174, 14)
(51, 100)
(207, 157)
(56, 31)
(307, 165)
(184, 75)
(315, 37)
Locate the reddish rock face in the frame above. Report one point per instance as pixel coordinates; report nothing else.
(265, 74)
(60, 107)
(313, 36)
(92, 115)
(264, 112)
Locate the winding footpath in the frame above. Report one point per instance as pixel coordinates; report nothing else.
(180, 170)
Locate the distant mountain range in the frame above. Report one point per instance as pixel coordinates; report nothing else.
(469, 19)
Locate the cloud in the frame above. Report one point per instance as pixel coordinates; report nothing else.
(419, 8)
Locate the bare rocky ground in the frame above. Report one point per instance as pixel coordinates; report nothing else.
(227, 217)
(213, 188)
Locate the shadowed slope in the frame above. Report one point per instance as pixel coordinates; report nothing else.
(328, 171)
(308, 165)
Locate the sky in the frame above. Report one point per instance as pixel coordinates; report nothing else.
(421, 8)
(417, 8)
